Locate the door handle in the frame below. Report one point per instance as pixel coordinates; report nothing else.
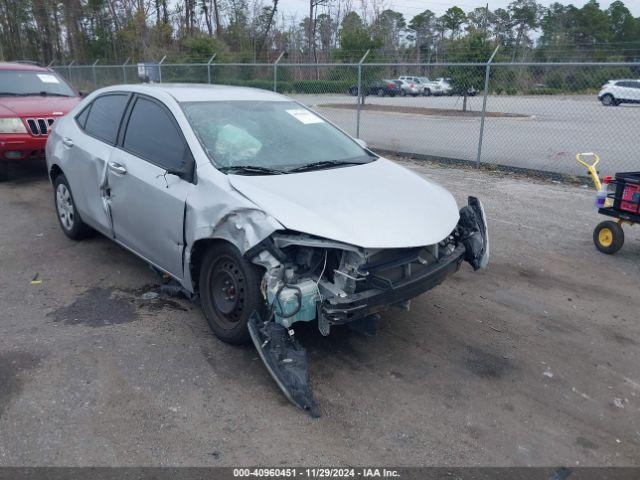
(117, 168)
(67, 141)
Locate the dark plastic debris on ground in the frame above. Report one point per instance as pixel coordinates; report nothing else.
(286, 360)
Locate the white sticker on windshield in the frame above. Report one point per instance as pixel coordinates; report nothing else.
(304, 116)
(47, 78)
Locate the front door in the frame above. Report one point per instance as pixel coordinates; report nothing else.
(147, 202)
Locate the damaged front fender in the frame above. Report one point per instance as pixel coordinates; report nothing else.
(216, 213)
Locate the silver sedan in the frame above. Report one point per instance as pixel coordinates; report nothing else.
(268, 212)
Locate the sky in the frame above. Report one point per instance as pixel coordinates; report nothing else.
(410, 8)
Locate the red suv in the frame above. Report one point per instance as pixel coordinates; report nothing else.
(31, 99)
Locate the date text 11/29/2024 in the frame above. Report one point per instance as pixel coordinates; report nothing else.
(367, 472)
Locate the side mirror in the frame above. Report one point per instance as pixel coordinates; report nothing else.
(82, 93)
(362, 143)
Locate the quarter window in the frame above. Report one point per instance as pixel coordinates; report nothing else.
(153, 135)
(104, 117)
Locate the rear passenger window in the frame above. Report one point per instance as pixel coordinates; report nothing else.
(153, 135)
(104, 117)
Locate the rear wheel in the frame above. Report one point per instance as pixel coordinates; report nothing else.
(68, 216)
(230, 292)
(608, 237)
(608, 100)
(426, 92)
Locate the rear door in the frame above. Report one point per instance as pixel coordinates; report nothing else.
(89, 144)
(147, 200)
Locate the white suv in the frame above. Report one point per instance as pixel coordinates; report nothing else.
(615, 92)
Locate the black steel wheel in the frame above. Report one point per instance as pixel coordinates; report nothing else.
(229, 289)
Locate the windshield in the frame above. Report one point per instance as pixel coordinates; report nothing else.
(280, 136)
(26, 82)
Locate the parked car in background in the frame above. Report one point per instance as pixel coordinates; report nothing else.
(445, 86)
(615, 92)
(439, 86)
(381, 88)
(408, 88)
(32, 98)
(420, 82)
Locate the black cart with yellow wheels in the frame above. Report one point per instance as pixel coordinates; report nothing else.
(618, 198)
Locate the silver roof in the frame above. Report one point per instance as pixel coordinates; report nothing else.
(196, 92)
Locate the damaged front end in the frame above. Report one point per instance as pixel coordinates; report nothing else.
(309, 278)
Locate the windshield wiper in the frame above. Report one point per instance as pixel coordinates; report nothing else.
(46, 94)
(323, 164)
(33, 94)
(250, 169)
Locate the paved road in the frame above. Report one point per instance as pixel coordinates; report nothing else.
(558, 127)
(531, 362)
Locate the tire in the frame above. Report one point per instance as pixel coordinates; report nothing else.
(427, 92)
(353, 91)
(230, 293)
(608, 100)
(67, 213)
(380, 92)
(4, 171)
(608, 237)
(403, 93)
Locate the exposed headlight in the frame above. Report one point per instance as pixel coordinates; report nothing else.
(12, 125)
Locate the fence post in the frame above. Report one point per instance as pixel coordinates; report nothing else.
(93, 73)
(275, 72)
(360, 92)
(69, 70)
(484, 105)
(160, 69)
(209, 67)
(124, 70)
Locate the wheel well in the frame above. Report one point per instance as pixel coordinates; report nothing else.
(200, 247)
(54, 172)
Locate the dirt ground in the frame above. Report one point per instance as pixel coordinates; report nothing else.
(531, 362)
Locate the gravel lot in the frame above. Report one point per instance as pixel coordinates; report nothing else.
(531, 362)
(558, 127)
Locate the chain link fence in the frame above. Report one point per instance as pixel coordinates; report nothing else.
(531, 115)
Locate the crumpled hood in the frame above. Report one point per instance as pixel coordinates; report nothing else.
(36, 106)
(375, 205)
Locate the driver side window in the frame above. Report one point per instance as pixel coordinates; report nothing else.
(154, 136)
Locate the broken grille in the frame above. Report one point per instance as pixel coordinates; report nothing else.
(40, 126)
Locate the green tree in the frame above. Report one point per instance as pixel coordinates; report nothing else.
(424, 25)
(453, 19)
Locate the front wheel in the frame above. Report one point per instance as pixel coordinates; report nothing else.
(608, 237)
(229, 288)
(427, 92)
(68, 216)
